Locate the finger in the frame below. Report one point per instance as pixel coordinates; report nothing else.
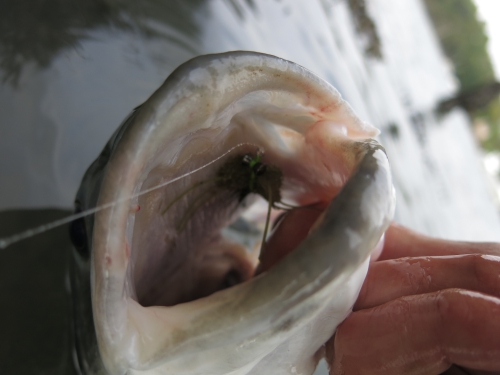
(402, 242)
(421, 334)
(391, 279)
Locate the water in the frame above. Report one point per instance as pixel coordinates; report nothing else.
(70, 97)
(441, 183)
(57, 118)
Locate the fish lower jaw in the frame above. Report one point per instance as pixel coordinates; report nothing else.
(284, 343)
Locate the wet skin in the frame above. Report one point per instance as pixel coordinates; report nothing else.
(427, 306)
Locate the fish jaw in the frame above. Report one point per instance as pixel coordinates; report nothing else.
(279, 320)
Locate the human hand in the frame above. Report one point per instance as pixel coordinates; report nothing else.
(427, 306)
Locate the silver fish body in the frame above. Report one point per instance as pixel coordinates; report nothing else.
(147, 290)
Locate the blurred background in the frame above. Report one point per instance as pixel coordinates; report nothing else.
(424, 72)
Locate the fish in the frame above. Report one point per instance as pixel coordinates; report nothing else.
(161, 285)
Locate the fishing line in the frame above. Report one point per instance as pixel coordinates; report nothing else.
(9, 240)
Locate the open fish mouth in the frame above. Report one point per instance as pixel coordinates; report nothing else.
(172, 291)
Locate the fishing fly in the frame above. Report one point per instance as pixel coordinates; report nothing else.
(240, 175)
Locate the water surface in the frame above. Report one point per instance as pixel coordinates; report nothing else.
(60, 104)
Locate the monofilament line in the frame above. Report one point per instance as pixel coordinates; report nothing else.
(9, 240)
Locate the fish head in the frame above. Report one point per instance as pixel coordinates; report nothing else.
(171, 287)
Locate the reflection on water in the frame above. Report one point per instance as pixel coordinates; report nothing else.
(73, 70)
(37, 31)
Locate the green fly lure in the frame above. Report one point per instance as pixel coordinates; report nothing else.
(243, 174)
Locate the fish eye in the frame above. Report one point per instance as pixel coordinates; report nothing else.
(78, 234)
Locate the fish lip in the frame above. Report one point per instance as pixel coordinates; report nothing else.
(109, 262)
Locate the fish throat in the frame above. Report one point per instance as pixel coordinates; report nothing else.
(239, 179)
